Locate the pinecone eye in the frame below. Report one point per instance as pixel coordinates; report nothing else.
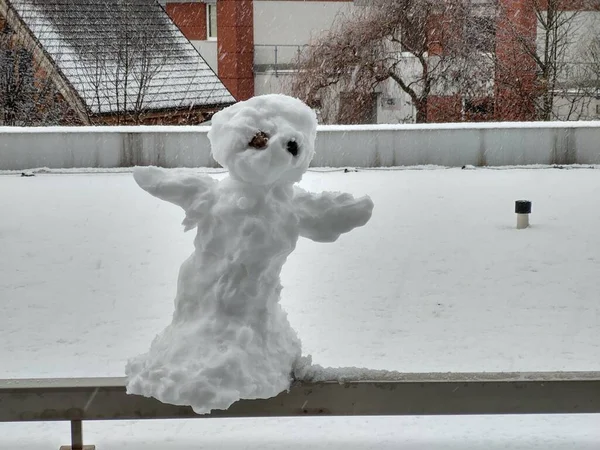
(292, 147)
(259, 141)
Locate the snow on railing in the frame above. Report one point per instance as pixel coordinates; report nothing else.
(390, 393)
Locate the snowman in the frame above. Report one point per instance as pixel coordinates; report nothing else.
(229, 338)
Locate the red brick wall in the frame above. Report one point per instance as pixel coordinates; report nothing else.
(435, 32)
(190, 18)
(515, 75)
(515, 69)
(440, 31)
(235, 37)
(444, 108)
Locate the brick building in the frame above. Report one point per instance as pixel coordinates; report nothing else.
(230, 23)
(251, 44)
(108, 62)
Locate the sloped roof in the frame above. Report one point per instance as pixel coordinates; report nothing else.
(122, 55)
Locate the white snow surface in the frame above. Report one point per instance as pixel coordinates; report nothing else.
(439, 280)
(229, 337)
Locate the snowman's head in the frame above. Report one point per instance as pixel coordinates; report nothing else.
(265, 140)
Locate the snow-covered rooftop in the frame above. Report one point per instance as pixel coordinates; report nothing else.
(88, 270)
(122, 55)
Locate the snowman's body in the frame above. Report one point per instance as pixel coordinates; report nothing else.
(230, 338)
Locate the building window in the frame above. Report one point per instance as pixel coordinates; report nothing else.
(478, 110)
(211, 20)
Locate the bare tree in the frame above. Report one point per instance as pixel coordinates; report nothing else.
(120, 70)
(27, 96)
(420, 45)
(592, 60)
(543, 37)
(586, 75)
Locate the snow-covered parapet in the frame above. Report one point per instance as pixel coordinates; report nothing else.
(229, 338)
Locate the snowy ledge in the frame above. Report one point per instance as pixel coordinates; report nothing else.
(325, 128)
(450, 145)
(340, 392)
(220, 171)
(108, 129)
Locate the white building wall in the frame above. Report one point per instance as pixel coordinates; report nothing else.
(281, 30)
(395, 105)
(208, 50)
(294, 22)
(577, 107)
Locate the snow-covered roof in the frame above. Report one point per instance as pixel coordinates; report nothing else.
(122, 55)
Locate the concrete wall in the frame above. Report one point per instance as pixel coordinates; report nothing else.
(458, 145)
(104, 147)
(337, 146)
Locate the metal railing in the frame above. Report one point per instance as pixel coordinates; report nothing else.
(276, 58)
(80, 399)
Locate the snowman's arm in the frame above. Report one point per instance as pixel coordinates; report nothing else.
(182, 189)
(324, 217)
